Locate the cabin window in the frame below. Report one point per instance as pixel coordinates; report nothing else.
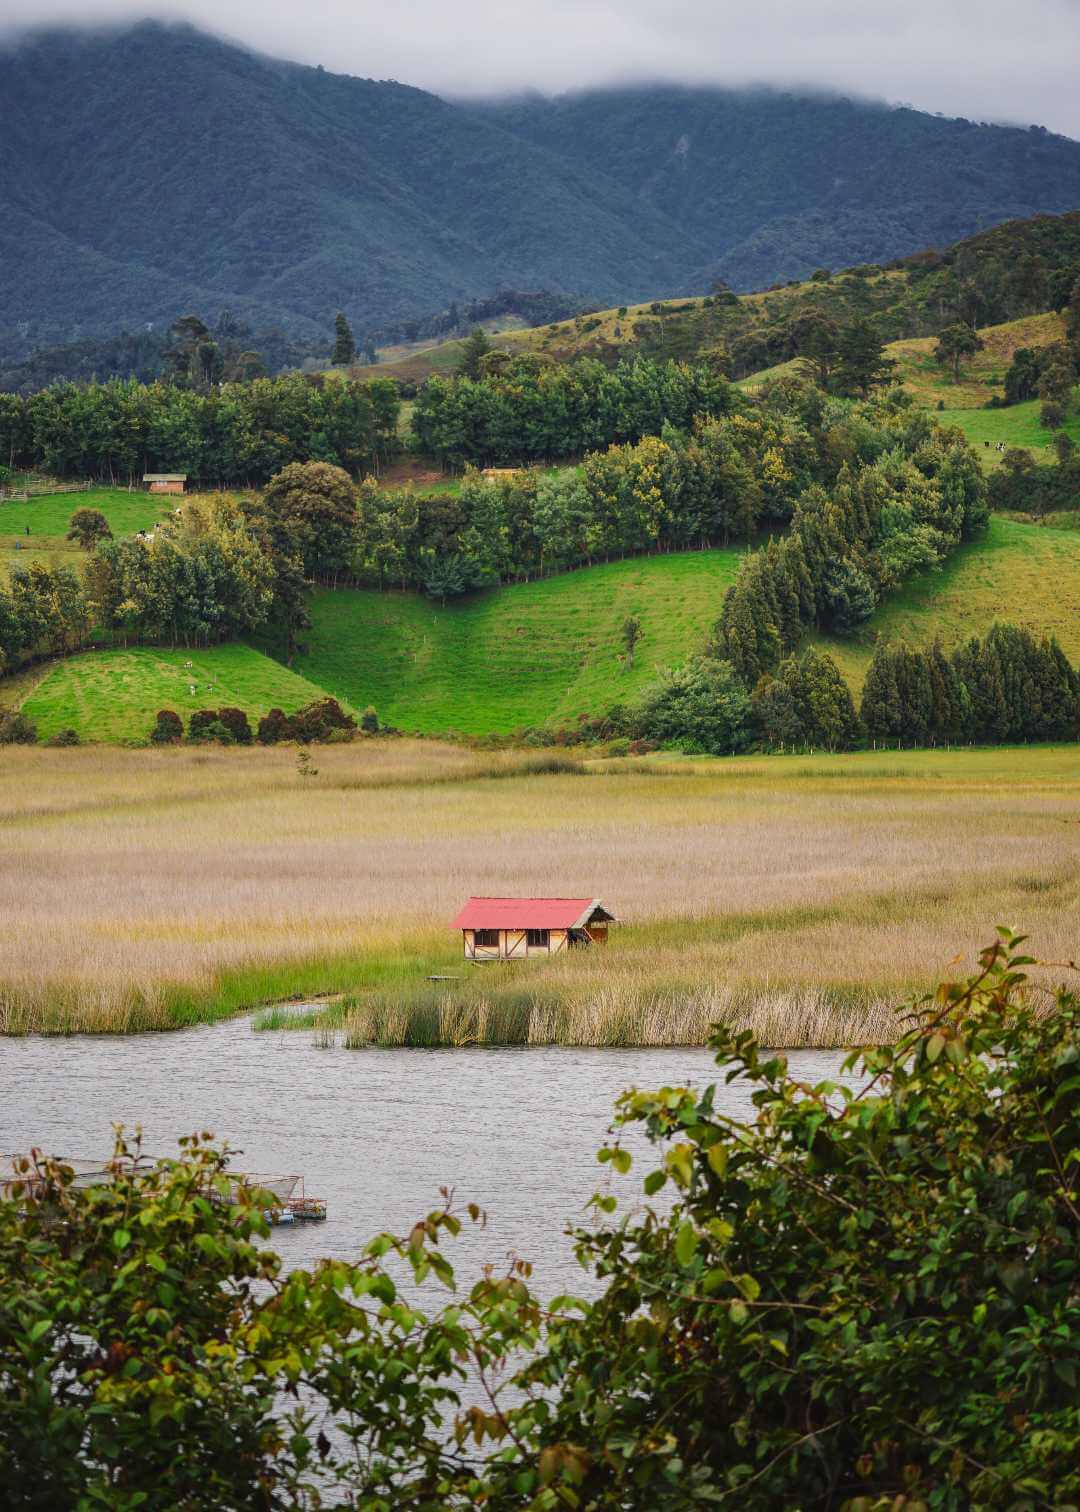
(488, 937)
(538, 937)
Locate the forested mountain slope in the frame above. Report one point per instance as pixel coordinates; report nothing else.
(148, 171)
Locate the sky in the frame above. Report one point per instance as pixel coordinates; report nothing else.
(993, 60)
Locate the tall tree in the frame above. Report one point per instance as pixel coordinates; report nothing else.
(344, 345)
(475, 348)
(955, 344)
(861, 364)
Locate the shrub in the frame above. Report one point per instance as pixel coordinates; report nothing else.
(369, 721)
(236, 722)
(339, 737)
(275, 727)
(315, 722)
(66, 737)
(702, 706)
(199, 724)
(16, 729)
(168, 728)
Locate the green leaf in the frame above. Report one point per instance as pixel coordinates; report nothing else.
(41, 1327)
(121, 1238)
(686, 1243)
(621, 1160)
(654, 1181)
(934, 1046)
(717, 1156)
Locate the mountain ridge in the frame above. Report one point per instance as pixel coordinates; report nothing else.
(152, 169)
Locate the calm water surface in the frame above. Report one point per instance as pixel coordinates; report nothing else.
(375, 1132)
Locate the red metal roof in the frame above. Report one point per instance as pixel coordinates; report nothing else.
(526, 913)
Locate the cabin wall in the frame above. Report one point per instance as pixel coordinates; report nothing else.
(513, 945)
(167, 488)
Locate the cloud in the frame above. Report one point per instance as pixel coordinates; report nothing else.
(984, 59)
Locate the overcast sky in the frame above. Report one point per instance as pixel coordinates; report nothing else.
(985, 59)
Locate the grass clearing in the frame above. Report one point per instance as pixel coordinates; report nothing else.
(127, 510)
(1027, 575)
(527, 654)
(802, 896)
(115, 695)
(1016, 425)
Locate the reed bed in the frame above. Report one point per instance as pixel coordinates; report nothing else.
(147, 889)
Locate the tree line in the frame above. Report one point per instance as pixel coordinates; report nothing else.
(530, 408)
(1002, 688)
(787, 454)
(230, 433)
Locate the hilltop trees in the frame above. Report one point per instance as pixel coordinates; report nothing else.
(532, 410)
(915, 497)
(955, 344)
(232, 433)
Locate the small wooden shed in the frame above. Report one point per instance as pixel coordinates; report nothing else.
(512, 929)
(170, 483)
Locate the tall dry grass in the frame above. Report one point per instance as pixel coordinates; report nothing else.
(140, 889)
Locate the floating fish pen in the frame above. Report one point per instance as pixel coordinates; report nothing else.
(288, 1202)
(87, 1173)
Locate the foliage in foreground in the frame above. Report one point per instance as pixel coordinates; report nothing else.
(859, 1300)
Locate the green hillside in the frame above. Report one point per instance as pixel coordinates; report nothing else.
(1028, 575)
(114, 695)
(528, 654)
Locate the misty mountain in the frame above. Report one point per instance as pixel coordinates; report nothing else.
(149, 171)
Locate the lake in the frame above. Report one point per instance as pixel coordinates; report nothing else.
(374, 1132)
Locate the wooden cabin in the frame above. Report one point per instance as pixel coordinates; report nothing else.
(170, 483)
(512, 929)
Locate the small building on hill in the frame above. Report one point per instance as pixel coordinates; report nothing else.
(512, 929)
(170, 483)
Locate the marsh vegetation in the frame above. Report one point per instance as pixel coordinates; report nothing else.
(147, 889)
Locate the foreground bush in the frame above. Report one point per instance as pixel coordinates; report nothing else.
(168, 728)
(16, 729)
(859, 1300)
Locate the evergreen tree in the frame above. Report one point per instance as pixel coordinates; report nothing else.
(475, 347)
(344, 345)
(861, 364)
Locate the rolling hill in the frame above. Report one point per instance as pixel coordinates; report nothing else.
(527, 654)
(151, 170)
(115, 695)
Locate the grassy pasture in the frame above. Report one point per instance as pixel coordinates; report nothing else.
(1025, 574)
(530, 653)
(50, 514)
(1018, 425)
(115, 695)
(142, 889)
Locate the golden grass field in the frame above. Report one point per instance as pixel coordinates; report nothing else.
(799, 896)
